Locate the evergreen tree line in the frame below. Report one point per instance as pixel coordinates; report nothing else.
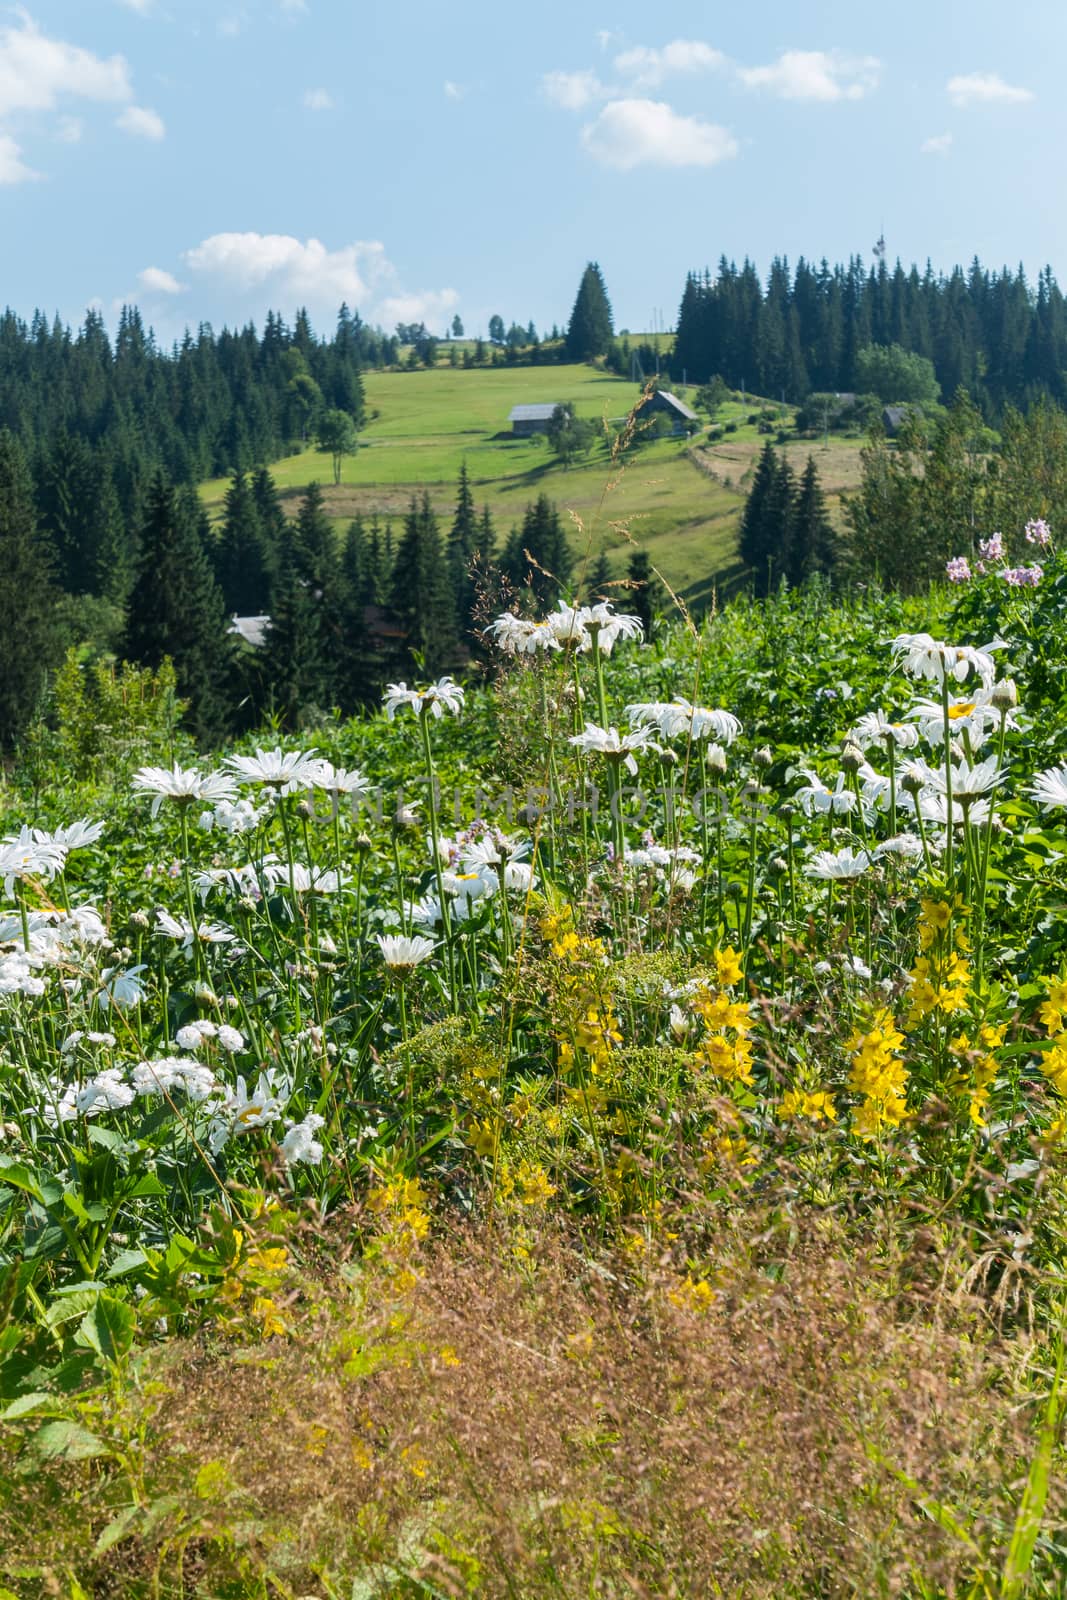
(345, 613)
(991, 333)
(98, 420)
(786, 534)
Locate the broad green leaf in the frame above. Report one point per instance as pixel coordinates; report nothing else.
(109, 1327)
(69, 1440)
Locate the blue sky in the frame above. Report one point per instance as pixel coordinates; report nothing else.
(211, 158)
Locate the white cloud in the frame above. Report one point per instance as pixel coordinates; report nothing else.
(572, 90)
(815, 75)
(142, 123)
(454, 91)
(157, 281)
(985, 88)
(12, 167)
(318, 100)
(280, 270)
(939, 145)
(648, 68)
(142, 7)
(631, 133)
(36, 72)
(432, 307)
(69, 130)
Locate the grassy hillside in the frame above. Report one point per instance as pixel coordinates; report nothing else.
(678, 500)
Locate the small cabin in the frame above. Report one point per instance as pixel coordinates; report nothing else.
(894, 418)
(251, 630)
(528, 420)
(663, 403)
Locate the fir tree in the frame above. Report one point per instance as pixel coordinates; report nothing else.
(538, 555)
(766, 523)
(600, 579)
(359, 677)
(462, 544)
(644, 589)
(308, 631)
(421, 600)
(294, 669)
(591, 328)
(811, 547)
(176, 608)
(30, 642)
(243, 563)
(754, 543)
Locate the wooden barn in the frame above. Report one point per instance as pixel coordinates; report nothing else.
(528, 420)
(663, 403)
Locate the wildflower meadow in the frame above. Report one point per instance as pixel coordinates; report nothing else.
(596, 1127)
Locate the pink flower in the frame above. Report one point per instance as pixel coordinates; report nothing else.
(1023, 577)
(958, 570)
(1038, 532)
(992, 549)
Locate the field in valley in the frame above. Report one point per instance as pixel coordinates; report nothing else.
(678, 499)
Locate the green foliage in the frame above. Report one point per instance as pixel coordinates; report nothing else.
(895, 374)
(31, 641)
(335, 433)
(570, 436)
(176, 609)
(110, 717)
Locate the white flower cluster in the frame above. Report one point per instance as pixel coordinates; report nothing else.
(567, 628)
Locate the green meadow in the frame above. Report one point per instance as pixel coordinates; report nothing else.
(678, 499)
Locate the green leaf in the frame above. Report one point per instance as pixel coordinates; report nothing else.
(116, 1529)
(126, 1261)
(68, 1440)
(109, 1327)
(25, 1405)
(1031, 1510)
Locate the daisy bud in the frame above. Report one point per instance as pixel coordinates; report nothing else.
(764, 756)
(851, 758)
(911, 783)
(364, 844)
(1005, 696)
(717, 761)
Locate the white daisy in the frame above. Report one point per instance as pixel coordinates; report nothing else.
(839, 866)
(300, 1143)
(519, 637)
(402, 954)
(339, 780)
(815, 799)
(121, 987)
(612, 745)
(607, 626)
(183, 785)
(22, 856)
(922, 656)
(435, 700)
(170, 1073)
(679, 719)
(877, 728)
(75, 836)
(1049, 788)
(282, 771)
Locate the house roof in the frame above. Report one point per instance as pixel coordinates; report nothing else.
(537, 413)
(253, 630)
(677, 405)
